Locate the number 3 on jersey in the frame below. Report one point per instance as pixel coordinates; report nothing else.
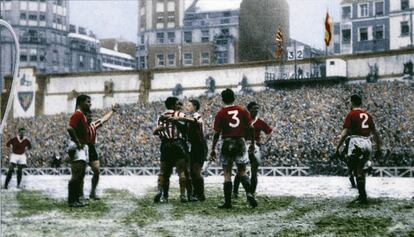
(234, 117)
(365, 119)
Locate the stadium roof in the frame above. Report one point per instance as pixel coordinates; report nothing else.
(212, 5)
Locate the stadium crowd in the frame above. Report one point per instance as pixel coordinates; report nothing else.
(306, 124)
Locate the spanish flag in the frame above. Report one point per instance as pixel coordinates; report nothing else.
(328, 30)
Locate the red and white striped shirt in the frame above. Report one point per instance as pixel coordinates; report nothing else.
(172, 129)
(92, 131)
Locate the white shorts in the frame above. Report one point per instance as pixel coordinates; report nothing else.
(82, 154)
(256, 156)
(18, 159)
(363, 143)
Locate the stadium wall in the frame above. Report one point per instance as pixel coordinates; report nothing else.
(56, 93)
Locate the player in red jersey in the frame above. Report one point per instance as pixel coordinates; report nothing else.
(19, 145)
(78, 150)
(232, 122)
(359, 126)
(254, 157)
(174, 150)
(93, 154)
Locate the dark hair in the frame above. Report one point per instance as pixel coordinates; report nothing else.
(80, 99)
(170, 102)
(22, 128)
(228, 96)
(356, 100)
(251, 104)
(196, 104)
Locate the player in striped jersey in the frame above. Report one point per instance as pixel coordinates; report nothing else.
(174, 150)
(93, 154)
(198, 147)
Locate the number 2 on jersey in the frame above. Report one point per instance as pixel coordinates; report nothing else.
(235, 118)
(364, 122)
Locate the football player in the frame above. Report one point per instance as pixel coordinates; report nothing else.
(174, 150)
(254, 157)
(231, 123)
(19, 144)
(359, 126)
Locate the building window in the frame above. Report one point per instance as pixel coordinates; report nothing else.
(405, 5)
(81, 61)
(205, 58)
(188, 59)
(55, 57)
(363, 10)
(188, 36)
(160, 60)
(171, 37)
(171, 59)
(205, 36)
(23, 16)
(225, 21)
(363, 34)
(225, 31)
(171, 16)
(346, 12)
(160, 38)
(142, 39)
(42, 17)
(405, 28)
(379, 8)
(222, 58)
(33, 17)
(378, 32)
(160, 17)
(142, 61)
(33, 58)
(23, 58)
(346, 36)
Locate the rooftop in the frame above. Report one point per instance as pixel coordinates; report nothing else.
(212, 5)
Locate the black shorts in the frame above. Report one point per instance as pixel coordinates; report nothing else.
(234, 150)
(93, 154)
(174, 150)
(199, 152)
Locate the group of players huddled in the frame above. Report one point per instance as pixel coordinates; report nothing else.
(184, 146)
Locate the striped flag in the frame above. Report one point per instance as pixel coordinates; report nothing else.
(328, 30)
(279, 37)
(279, 41)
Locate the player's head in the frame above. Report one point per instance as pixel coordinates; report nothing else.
(356, 100)
(228, 96)
(171, 103)
(179, 106)
(21, 132)
(193, 106)
(253, 108)
(83, 102)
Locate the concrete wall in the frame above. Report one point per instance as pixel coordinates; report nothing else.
(59, 96)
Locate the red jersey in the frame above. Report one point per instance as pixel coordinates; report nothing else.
(259, 126)
(232, 121)
(19, 146)
(92, 130)
(172, 129)
(79, 122)
(359, 122)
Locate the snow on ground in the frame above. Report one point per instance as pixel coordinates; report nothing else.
(315, 186)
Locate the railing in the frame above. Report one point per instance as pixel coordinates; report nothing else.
(212, 171)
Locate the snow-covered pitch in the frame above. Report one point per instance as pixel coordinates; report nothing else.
(314, 186)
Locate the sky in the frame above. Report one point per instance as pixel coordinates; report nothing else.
(118, 18)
